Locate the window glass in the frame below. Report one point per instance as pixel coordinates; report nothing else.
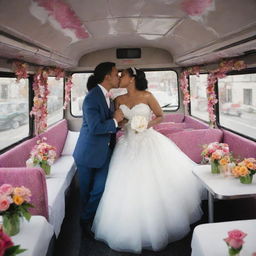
(164, 86)
(237, 103)
(78, 92)
(55, 100)
(14, 111)
(198, 95)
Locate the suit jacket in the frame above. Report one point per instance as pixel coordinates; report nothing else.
(97, 132)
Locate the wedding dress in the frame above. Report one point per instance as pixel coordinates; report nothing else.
(151, 196)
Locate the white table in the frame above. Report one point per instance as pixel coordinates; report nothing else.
(221, 187)
(34, 236)
(207, 239)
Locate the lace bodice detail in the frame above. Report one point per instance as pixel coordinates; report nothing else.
(140, 109)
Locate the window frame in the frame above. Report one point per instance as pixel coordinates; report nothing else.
(235, 72)
(31, 119)
(143, 69)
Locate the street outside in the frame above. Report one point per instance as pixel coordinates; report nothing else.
(10, 136)
(245, 124)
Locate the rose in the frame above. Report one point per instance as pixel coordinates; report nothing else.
(4, 203)
(235, 239)
(236, 234)
(139, 123)
(5, 242)
(6, 189)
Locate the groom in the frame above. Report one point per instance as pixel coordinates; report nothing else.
(96, 140)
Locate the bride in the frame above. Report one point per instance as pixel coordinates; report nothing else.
(151, 196)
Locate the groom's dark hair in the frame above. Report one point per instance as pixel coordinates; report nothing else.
(103, 69)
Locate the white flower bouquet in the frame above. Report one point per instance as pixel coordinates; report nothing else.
(139, 123)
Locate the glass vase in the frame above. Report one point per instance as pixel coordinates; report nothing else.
(46, 167)
(11, 224)
(215, 167)
(246, 179)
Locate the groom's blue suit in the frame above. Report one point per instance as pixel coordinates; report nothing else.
(93, 150)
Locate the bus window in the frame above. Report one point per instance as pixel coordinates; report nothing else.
(14, 111)
(199, 96)
(237, 103)
(78, 92)
(55, 100)
(164, 86)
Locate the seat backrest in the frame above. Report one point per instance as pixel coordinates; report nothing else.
(33, 179)
(191, 142)
(240, 146)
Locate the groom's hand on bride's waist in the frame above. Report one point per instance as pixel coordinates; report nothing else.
(118, 115)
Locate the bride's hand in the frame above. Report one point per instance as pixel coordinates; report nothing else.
(122, 123)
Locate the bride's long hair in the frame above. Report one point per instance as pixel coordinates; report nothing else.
(141, 82)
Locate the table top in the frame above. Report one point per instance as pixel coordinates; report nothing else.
(34, 236)
(208, 240)
(222, 187)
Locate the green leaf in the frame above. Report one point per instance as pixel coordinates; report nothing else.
(12, 251)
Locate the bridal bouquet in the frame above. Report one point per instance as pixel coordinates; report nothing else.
(7, 248)
(139, 123)
(42, 155)
(217, 154)
(245, 170)
(14, 203)
(235, 241)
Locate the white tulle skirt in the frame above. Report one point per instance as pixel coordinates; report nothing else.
(151, 196)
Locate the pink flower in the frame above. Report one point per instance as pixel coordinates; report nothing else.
(235, 238)
(5, 242)
(6, 189)
(4, 203)
(236, 234)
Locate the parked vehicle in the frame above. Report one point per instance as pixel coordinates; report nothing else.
(231, 109)
(13, 115)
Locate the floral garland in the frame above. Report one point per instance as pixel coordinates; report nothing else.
(39, 110)
(68, 87)
(184, 83)
(220, 72)
(20, 69)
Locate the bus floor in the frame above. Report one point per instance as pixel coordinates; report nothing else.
(72, 242)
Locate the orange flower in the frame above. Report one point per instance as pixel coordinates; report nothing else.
(18, 199)
(244, 171)
(250, 165)
(44, 158)
(236, 171)
(223, 161)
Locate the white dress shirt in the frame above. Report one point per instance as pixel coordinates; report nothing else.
(104, 91)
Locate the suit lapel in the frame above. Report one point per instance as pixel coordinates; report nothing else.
(103, 101)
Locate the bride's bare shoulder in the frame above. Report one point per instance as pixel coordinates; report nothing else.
(121, 99)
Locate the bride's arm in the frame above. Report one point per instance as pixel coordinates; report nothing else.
(117, 105)
(157, 110)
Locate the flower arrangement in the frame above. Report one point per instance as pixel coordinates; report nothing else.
(217, 154)
(139, 124)
(184, 82)
(20, 70)
(14, 203)
(42, 155)
(39, 110)
(235, 241)
(245, 170)
(220, 72)
(68, 87)
(7, 248)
